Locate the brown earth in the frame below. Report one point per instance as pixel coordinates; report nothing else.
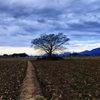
(30, 87)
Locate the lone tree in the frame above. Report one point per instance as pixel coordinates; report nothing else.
(50, 43)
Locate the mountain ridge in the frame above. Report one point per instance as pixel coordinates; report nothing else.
(94, 51)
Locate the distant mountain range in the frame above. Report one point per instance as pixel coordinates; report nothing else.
(91, 52)
(65, 54)
(95, 51)
(86, 52)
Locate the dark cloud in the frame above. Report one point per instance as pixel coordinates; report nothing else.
(41, 20)
(85, 36)
(21, 19)
(30, 29)
(18, 10)
(92, 24)
(89, 26)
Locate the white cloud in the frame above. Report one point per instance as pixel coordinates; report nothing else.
(11, 50)
(83, 47)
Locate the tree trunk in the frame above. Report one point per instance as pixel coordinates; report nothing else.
(50, 53)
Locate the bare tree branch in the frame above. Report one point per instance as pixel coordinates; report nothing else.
(50, 43)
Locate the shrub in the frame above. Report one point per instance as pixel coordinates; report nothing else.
(51, 58)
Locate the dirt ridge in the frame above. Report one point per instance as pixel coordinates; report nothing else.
(30, 87)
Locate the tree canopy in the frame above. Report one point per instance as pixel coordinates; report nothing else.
(50, 43)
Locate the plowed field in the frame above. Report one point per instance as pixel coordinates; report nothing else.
(12, 74)
(71, 79)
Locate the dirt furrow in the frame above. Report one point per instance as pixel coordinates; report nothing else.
(30, 87)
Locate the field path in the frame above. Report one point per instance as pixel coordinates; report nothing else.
(30, 87)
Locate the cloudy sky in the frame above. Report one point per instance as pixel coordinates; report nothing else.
(24, 20)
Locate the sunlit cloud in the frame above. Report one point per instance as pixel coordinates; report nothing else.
(83, 47)
(11, 50)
